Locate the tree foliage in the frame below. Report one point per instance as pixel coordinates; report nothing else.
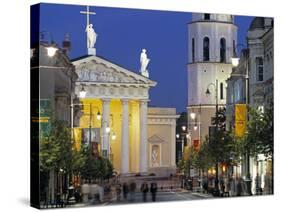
(96, 167)
(56, 148)
(57, 152)
(259, 136)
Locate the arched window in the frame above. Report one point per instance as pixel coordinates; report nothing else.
(193, 50)
(234, 47)
(222, 51)
(207, 16)
(221, 90)
(206, 49)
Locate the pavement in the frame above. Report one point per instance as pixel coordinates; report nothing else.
(161, 196)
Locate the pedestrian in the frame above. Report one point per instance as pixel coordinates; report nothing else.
(239, 187)
(101, 192)
(144, 190)
(77, 196)
(222, 186)
(233, 186)
(94, 190)
(125, 190)
(59, 202)
(118, 192)
(153, 190)
(205, 184)
(132, 190)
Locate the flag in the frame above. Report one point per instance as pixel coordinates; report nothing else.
(240, 119)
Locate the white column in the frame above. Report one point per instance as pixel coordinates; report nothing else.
(105, 123)
(143, 137)
(125, 137)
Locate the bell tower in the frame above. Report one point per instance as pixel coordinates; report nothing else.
(211, 44)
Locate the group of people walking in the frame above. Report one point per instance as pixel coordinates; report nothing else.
(230, 186)
(128, 191)
(233, 186)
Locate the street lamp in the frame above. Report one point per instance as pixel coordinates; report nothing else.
(52, 48)
(216, 122)
(183, 127)
(90, 120)
(107, 129)
(235, 63)
(98, 116)
(82, 93)
(113, 136)
(51, 51)
(195, 127)
(192, 115)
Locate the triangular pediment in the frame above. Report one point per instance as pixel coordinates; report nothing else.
(155, 139)
(98, 70)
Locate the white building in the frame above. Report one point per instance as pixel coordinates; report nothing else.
(211, 42)
(261, 60)
(260, 42)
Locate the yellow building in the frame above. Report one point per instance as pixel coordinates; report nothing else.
(115, 116)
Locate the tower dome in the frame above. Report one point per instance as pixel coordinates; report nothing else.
(212, 17)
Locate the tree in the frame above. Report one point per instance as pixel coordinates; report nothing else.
(55, 154)
(56, 148)
(96, 167)
(203, 159)
(259, 136)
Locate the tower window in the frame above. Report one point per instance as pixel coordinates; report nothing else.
(207, 16)
(206, 49)
(234, 47)
(221, 90)
(222, 50)
(193, 50)
(259, 69)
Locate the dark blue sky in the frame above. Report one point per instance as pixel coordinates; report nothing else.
(122, 33)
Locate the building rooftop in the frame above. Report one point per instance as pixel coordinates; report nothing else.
(257, 23)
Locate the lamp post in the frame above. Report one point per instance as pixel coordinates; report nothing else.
(216, 130)
(235, 63)
(82, 94)
(106, 125)
(181, 136)
(51, 48)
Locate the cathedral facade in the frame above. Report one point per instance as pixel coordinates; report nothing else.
(117, 123)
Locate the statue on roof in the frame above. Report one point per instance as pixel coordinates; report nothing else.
(91, 36)
(144, 60)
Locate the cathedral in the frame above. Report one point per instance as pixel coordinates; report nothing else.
(116, 120)
(212, 40)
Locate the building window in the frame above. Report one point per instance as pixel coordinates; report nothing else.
(259, 69)
(193, 50)
(207, 16)
(206, 49)
(222, 50)
(221, 90)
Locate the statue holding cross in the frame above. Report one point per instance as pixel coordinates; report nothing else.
(91, 34)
